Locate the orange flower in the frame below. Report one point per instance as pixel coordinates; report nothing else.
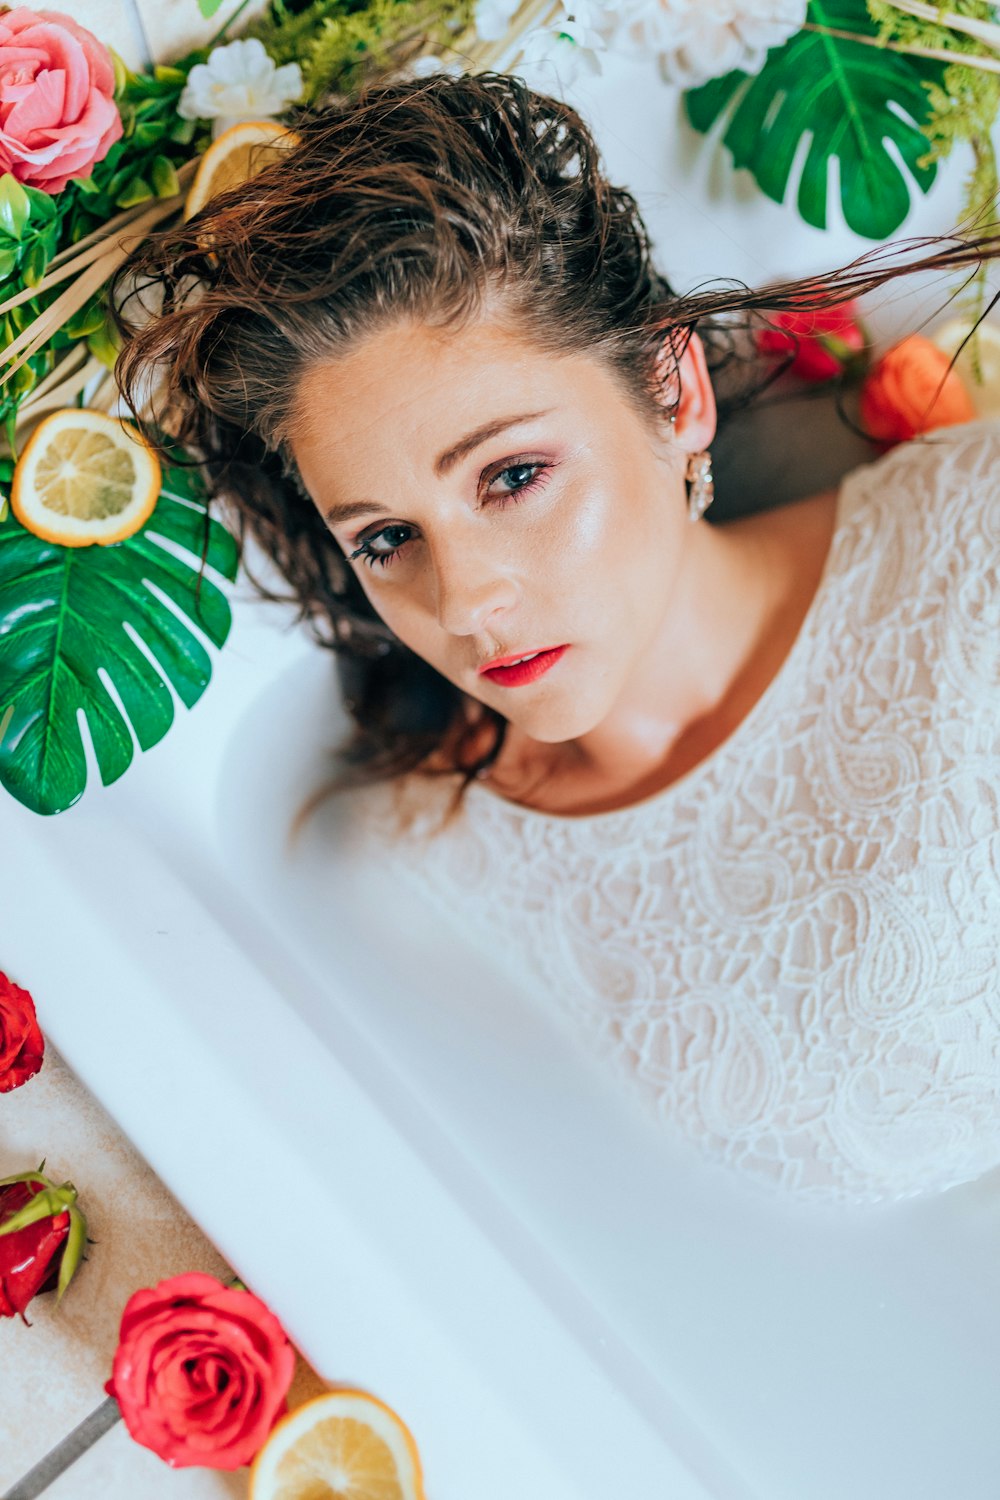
(900, 396)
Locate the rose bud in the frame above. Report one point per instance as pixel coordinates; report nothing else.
(911, 390)
(22, 1046)
(42, 1235)
(824, 341)
(201, 1371)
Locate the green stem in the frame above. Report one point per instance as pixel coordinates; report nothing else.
(226, 24)
(938, 54)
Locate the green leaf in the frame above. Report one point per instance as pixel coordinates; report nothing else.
(854, 101)
(147, 134)
(47, 1204)
(34, 263)
(174, 76)
(208, 7)
(22, 381)
(164, 178)
(148, 108)
(9, 255)
(137, 191)
(22, 316)
(15, 206)
(122, 72)
(72, 1252)
(63, 618)
(27, 1177)
(182, 132)
(105, 343)
(86, 320)
(43, 206)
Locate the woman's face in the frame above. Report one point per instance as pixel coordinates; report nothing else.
(508, 501)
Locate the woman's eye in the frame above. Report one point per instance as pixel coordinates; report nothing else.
(519, 483)
(518, 479)
(366, 550)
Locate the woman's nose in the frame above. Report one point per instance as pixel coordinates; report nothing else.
(471, 588)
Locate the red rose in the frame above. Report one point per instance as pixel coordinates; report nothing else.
(42, 1235)
(57, 110)
(825, 340)
(900, 397)
(201, 1371)
(22, 1046)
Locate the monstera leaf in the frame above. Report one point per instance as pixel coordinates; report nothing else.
(78, 626)
(853, 99)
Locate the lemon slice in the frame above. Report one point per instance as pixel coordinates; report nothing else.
(343, 1445)
(986, 397)
(239, 154)
(84, 477)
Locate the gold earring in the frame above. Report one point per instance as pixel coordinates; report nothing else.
(702, 489)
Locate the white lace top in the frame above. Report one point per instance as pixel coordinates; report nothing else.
(793, 952)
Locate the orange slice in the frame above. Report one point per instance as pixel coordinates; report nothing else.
(84, 477)
(239, 154)
(343, 1445)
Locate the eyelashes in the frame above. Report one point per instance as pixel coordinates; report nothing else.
(512, 497)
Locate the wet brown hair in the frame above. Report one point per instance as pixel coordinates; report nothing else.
(427, 198)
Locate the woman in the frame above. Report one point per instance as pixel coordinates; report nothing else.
(741, 807)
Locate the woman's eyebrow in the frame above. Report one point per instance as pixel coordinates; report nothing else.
(450, 457)
(350, 510)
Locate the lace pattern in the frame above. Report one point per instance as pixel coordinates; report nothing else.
(792, 952)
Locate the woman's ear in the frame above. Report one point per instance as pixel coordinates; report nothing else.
(687, 389)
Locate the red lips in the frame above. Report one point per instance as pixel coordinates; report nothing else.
(524, 671)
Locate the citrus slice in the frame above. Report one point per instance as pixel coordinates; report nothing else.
(84, 477)
(985, 397)
(239, 154)
(343, 1445)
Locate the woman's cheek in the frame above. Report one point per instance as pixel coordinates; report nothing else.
(588, 522)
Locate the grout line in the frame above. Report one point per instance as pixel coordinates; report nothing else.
(66, 1452)
(139, 34)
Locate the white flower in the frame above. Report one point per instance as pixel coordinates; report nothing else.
(567, 47)
(591, 13)
(701, 39)
(239, 82)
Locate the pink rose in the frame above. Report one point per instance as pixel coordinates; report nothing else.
(57, 110)
(201, 1371)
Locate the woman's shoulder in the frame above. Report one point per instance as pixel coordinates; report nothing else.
(921, 539)
(928, 506)
(947, 460)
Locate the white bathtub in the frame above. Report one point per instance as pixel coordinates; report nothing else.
(478, 1227)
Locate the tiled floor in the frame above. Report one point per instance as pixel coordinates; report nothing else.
(116, 1467)
(52, 1373)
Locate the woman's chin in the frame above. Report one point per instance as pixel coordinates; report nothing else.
(554, 723)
